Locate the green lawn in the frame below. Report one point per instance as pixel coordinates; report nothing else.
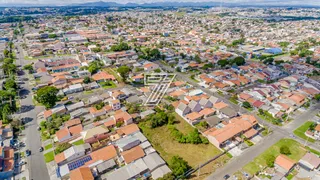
(88, 92)
(269, 119)
(112, 85)
(49, 146)
(233, 100)
(49, 157)
(302, 129)
(79, 142)
(297, 152)
(194, 154)
(313, 151)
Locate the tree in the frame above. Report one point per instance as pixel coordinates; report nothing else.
(62, 147)
(155, 54)
(285, 150)
(178, 166)
(124, 72)
(222, 62)
(28, 67)
(6, 53)
(94, 67)
(317, 97)
(97, 49)
(194, 137)
(52, 35)
(157, 70)
(10, 84)
(246, 104)
(261, 112)
(197, 58)
(47, 96)
(120, 47)
(86, 80)
(239, 61)
(270, 160)
(168, 176)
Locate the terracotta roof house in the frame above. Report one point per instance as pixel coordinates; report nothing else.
(123, 116)
(194, 117)
(133, 154)
(220, 105)
(102, 77)
(129, 129)
(284, 164)
(206, 112)
(63, 134)
(234, 128)
(82, 173)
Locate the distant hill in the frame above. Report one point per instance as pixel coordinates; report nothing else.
(155, 4)
(99, 4)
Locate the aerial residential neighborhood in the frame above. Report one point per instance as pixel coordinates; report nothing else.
(159, 91)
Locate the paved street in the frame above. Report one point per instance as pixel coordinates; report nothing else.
(35, 162)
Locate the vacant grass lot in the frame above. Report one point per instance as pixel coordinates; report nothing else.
(297, 152)
(194, 154)
(114, 73)
(302, 129)
(49, 157)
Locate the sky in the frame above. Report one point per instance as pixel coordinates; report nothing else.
(260, 2)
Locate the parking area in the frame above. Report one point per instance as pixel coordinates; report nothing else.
(236, 151)
(256, 139)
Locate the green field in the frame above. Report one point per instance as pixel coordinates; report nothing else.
(194, 154)
(49, 157)
(297, 152)
(302, 129)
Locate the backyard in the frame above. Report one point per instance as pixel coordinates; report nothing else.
(259, 163)
(300, 131)
(165, 144)
(79, 142)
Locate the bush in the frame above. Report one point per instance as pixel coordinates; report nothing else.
(62, 147)
(285, 150)
(178, 166)
(270, 160)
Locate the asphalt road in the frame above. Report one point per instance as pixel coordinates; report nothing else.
(35, 162)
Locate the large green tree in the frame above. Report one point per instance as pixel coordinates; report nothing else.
(178, 166)
(124, 72)
(47, 96)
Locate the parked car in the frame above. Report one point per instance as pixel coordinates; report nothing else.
(28, 152)
(40, 149)
(227, 176)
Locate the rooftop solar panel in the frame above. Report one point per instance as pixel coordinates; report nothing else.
(78, 163)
